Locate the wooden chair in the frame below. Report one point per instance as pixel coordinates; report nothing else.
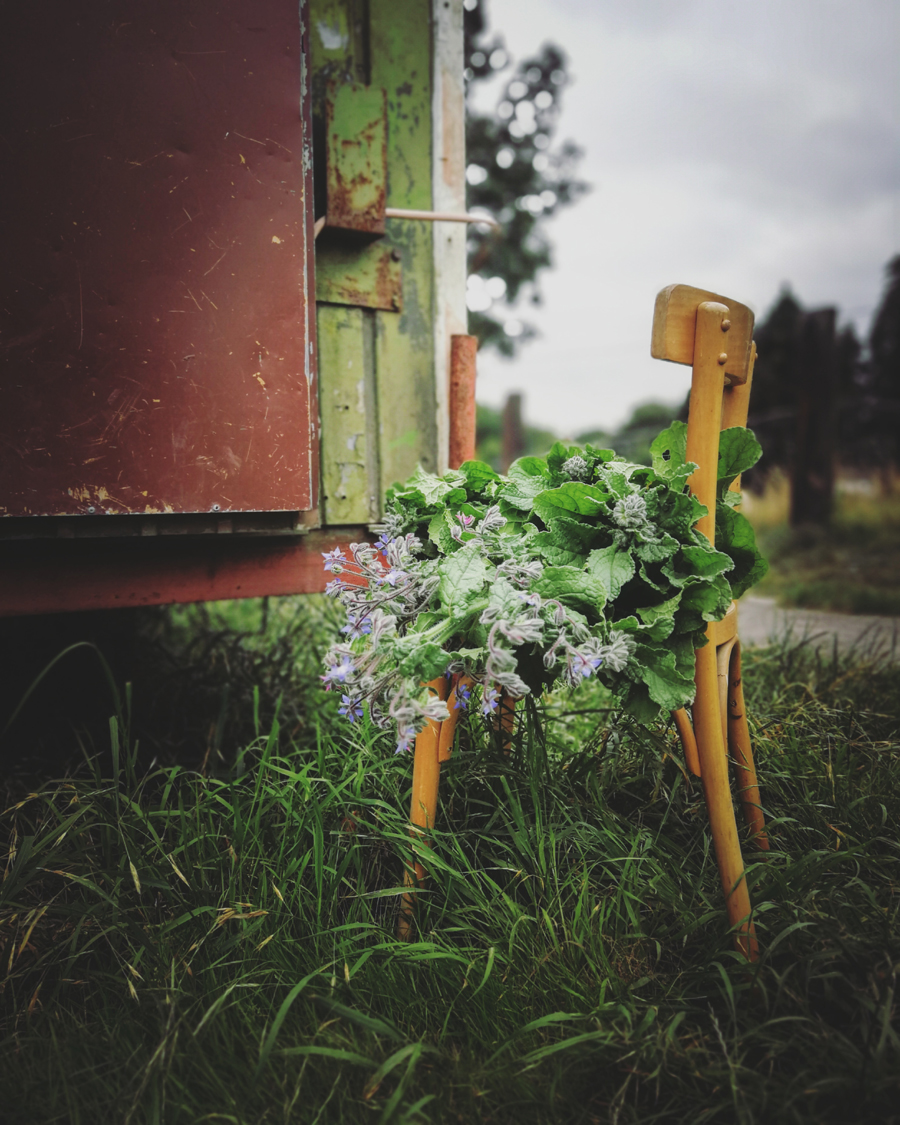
(714, 336)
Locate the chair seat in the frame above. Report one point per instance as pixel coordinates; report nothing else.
(722, 631)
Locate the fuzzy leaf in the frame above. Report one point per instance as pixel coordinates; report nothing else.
(572, 586)
(705, 561)
(652, 615)
(572, 498)
(461, 575)
(703, 600)
(668, 685)
(591, 453)
(657, 550)
(569, 542)
(526, 478)
(433, 489)
(439, 530)
(616, 482)
(559, 454)
(669, 453)
(478, 474)
(736, 538)
(426, 662)
(612, 566)
(738, 451)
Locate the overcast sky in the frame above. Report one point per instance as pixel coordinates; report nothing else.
(732, 146)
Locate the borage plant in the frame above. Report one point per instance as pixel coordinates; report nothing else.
(576, 566)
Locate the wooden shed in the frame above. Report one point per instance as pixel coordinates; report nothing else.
(217, 347)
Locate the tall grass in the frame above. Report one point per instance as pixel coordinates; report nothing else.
(183, 945)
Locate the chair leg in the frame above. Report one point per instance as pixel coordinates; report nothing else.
(717, 791)
(448, 727)
(423, 806)
(723, 659)
(688, 742)
(741, 751)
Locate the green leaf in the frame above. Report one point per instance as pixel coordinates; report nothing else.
(669, 454)
(738, 451)
(426, 662)
(657, 550)
(572, 498)
(705, 561)
(591, 453)
(612, 567)
(637, 702)
(703, 600)
(736, 538)
(439, 531)
(526, 478)
(668, 685)
(572, 586)
(677, 512)
(477, 474)
(617, 483)
(461, 575)
(559, 454)
(568, 543)
(660, 619)
(433, 489)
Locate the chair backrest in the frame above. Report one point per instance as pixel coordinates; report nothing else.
(714, 336)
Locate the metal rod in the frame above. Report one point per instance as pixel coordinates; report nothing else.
(440, 216)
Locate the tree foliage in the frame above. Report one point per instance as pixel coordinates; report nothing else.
(867, 384)
(517, 174)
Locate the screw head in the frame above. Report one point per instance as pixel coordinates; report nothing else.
(726, 324)
(91, 509)
(723, 359)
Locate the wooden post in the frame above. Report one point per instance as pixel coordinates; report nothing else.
(812, 472)
(513, 441)
(463, 350)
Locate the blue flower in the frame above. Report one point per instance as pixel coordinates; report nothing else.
(334, 587)
(333, 559)
(489, 700)
(357, 627)
(338, 673)
(407, 734)
(352, 708)
(463, 695)
(585, 665)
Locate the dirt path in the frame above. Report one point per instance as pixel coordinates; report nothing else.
(762, 620)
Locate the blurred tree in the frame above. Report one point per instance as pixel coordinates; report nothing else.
(632, 440)
(773, 408)
(884, 366)
(515, 174)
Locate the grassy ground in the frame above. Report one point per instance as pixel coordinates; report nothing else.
(853, 566)
(211, 937)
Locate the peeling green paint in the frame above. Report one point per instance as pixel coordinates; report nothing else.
(401, 422)
(348, 413)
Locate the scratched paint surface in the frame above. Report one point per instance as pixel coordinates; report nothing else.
(156, 342)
